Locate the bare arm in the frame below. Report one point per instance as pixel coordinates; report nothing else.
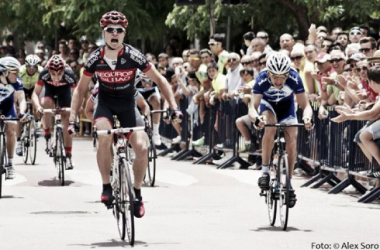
(185, 90)
(255, 102)
(78, 95)
(20, 96)
(141, 103)
(163, 85)
(305, 105)
(35, 96)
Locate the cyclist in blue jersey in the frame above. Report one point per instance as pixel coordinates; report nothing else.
(11, 90)
(274, 93)
(115, 65)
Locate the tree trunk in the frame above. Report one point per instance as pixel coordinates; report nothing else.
(301, 14)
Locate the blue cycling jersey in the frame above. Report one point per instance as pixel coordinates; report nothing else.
(293, 85)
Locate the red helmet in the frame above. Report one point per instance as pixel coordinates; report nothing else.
(56, 63)
(113, 17)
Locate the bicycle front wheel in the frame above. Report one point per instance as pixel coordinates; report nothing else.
(60, 157)
(2, 161)
(128, 199)
(25, 140)
(271, 201)
(284, 185)
(32, 141)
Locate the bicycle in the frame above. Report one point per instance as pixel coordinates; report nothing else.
(55, 146)
(29, 137)
(3, 149)
(121, 182)
(152, 151)
(279, 186)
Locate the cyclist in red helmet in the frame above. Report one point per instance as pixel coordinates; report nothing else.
(115, 65)
(58, 80)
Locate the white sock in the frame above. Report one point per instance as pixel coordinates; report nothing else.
(155, 128)
(247, 142)
(264, 169)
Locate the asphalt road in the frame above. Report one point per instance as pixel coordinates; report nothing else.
(192, 207)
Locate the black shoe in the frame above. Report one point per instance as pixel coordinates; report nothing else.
(139, 209)
(374, 174)
(264, 181)
(292, 197)
(107, 197)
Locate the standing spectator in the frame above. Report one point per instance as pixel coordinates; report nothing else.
(258, 45)
(355, 34)
(335, 32)
(74, 55)
(248, 37)
(83, 48)
(342, 39)
(63, 50)
(185, 55)
(311, 53)
(221, 55)
(326, 44)
(206, 56)
(365, 30)
(255, 62)
(92, 47)
(367, 46)
(151, 58)
(72, 43)
(286, 42)
(233, 76)
(265, 36)
(163, 60)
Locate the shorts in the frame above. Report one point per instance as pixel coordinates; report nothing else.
(28, 93)
(149, 93)
(126, 116)
(373, 127)
(63, 93)
(285, 112)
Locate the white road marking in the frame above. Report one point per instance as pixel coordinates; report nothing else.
(175, 178)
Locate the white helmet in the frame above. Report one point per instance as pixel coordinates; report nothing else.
(278, 63)
(10, 63)
(32, 60)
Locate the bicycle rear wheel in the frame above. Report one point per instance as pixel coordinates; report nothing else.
(128, 199)
(284, 185)
(2, 161)
(152, 156)
(271, 201)
(25, 140)
(32, 141)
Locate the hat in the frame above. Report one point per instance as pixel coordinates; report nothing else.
(322, 57)
(356, 57)
(375, 57)
(356, 29)
(169, 74)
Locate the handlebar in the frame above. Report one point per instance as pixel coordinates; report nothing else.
(119, 130)
(283, 125)
(53, 111)
(158, 112)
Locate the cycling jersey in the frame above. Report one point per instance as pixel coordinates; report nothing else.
(116, 87)
(222, 61)
(7, 100)
(62, 89)
(279, 101)
(27, 80)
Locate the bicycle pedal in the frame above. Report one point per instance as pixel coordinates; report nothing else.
(263, 193)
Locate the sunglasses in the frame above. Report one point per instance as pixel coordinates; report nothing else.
(246, 72)
(146, 80)
(324, 46)
(262, 37)
(263, 63)
(296, 58)
(336, 60)
(342, 38)
(212, 44)
(204, 57)
(364, 50)
(348, 70)
(355, 33)
(246, 63)
(283, 76)
(113, 30)
(14, 72)
(232, 60)
(360, 69)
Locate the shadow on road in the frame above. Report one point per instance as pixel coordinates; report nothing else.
(10, 197)
(279, 229)
(53, 182)
(111, 243)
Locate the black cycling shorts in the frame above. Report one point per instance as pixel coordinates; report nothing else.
(63, 93)
(28, 93)
(126, 117)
